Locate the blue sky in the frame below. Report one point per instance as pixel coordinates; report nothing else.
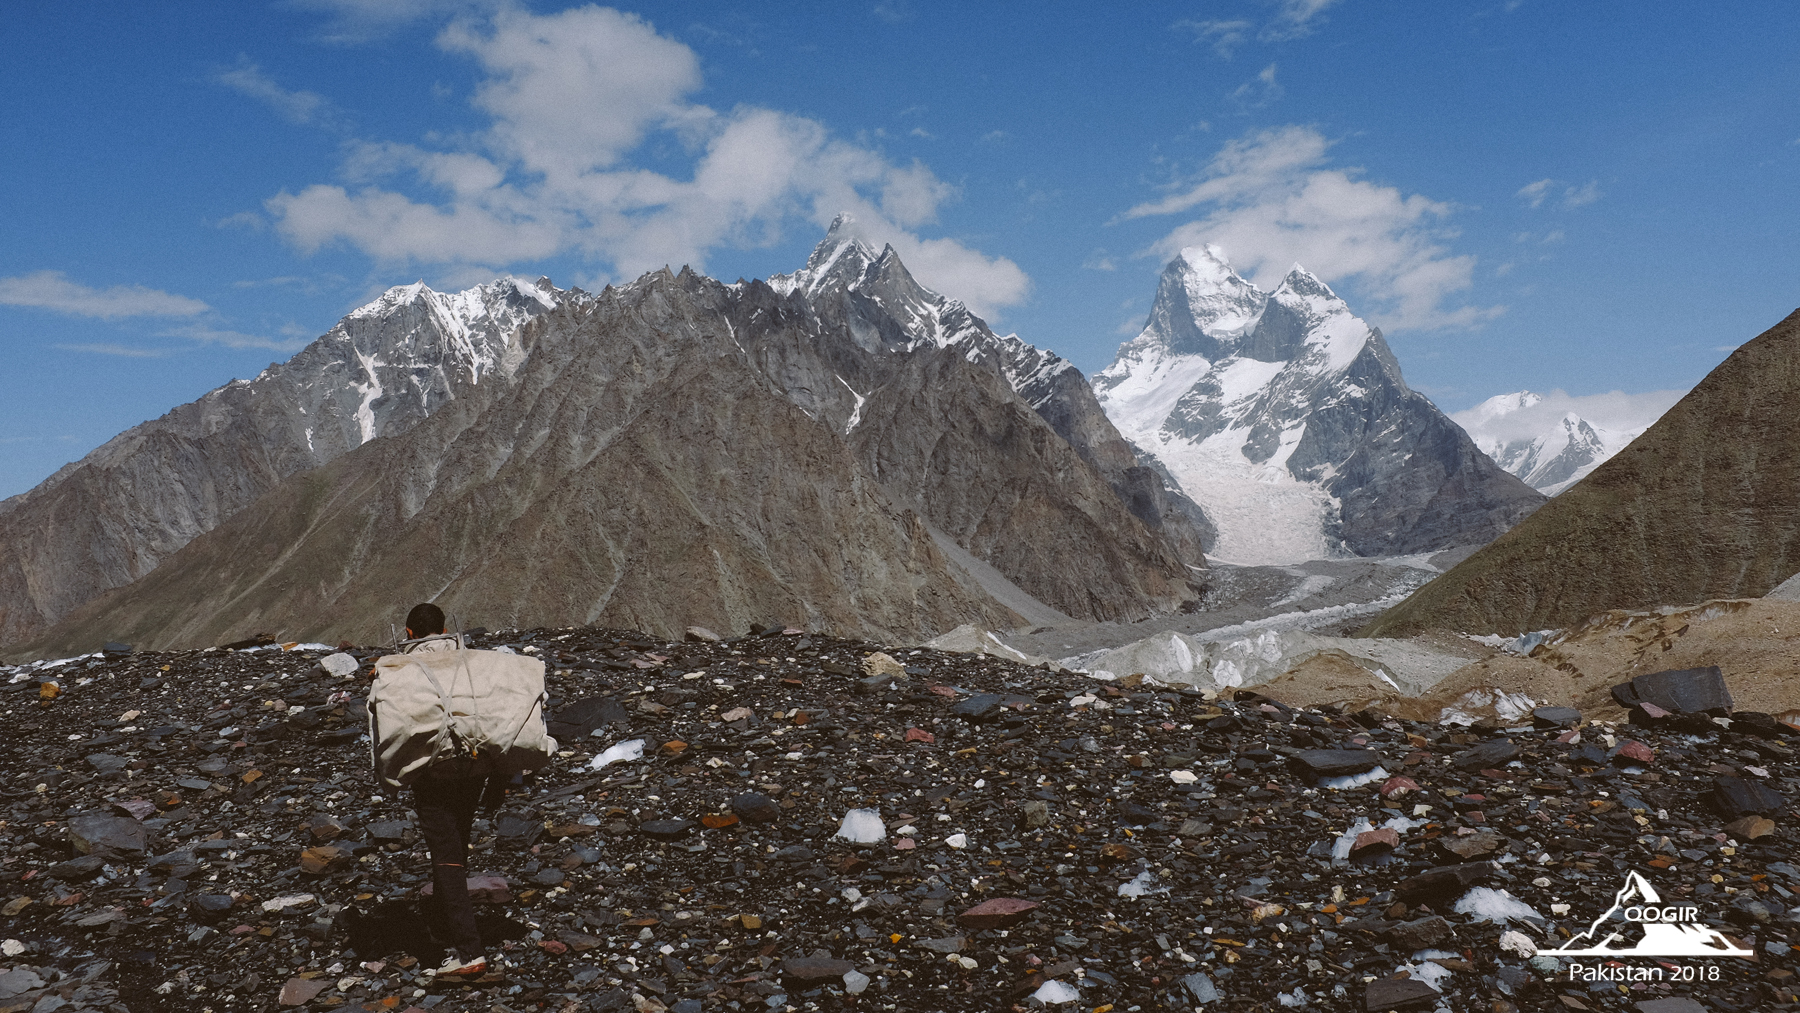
(1522, 194)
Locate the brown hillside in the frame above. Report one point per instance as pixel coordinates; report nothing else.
(1704, 505)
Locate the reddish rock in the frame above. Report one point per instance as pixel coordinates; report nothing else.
(552, 946)
(300, 991)
(482, 890)
(1372, 842)
(1750, 828)
(997, 913)
(1633, 751)
(1395, 787)
(919, 735)
(325, 859)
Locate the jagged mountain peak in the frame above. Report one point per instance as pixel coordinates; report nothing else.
(1285, 416)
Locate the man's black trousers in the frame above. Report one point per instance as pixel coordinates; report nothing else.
(446, 808)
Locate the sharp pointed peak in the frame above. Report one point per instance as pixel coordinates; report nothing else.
(1303, 282)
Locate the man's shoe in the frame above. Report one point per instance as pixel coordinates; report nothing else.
(456, 967)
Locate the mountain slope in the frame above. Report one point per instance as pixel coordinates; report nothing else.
(874, 298)
(111, 517)
(1286, 418)
(679, 451)
(1701, 506)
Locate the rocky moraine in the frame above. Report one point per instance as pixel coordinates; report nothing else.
(821, 824)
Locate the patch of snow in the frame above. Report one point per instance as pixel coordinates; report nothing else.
(1055, 993)
(855, 414)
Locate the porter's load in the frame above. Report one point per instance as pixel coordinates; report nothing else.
(441, 702)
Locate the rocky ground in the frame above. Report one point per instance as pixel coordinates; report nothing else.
(200, 831)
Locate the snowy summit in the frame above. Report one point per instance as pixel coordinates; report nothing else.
(1284, 415)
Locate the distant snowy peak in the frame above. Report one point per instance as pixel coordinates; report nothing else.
(1548, 450)
(1285, 416)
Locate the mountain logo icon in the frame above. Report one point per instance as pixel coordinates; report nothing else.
(1640, 924)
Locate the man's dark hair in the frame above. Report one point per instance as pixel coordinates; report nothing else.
(425, 620)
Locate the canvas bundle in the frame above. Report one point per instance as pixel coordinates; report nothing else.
(443, 703)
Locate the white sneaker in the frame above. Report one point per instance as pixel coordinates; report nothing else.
(455, 967)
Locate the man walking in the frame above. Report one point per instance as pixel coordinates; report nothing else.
(446, 797)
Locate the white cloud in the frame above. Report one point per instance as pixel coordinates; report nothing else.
(1271, 201)
(208, 335)
(1296, 19)
(352, 21)
(1537, 193)
(1587, 193)
(1099, 260)
(1257, 92)
(1225, 36)
(295, 106)
(572, 98)
(51, 290)
(1615, 411)
(111, 349)
(1534, 193)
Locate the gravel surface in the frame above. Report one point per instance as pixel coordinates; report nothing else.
(200, 831)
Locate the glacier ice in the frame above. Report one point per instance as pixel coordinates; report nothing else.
(1488, 904)
(1052, 993)
(631, 749)
(862, 826)
(1145, 884)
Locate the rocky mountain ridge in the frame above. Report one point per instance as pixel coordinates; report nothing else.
(1286, 418)
(678, 450)
(113, 516)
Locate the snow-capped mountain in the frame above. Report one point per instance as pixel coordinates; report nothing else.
(842, 447)
(111, 517)
(1549, 452)
(885, 310)
(1285, 417)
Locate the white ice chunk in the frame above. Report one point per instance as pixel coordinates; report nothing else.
(1341, 849)
(632, 749)
(862, 826)
(1295, 998)
(958, 841)
(1492, 905)
(1051, 993)
(1429, 972)
(1349, 781)
(1143, 885)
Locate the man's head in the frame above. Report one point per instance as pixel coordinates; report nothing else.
(425, 620)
